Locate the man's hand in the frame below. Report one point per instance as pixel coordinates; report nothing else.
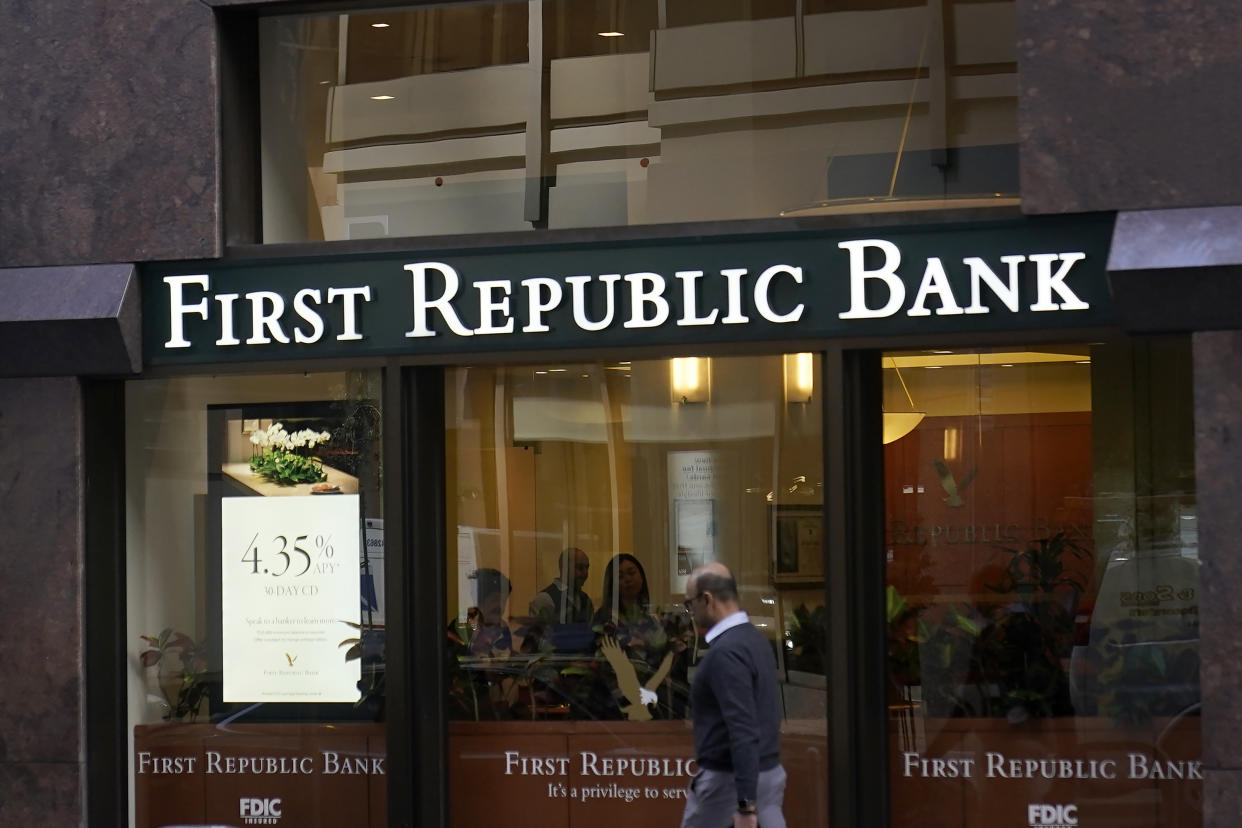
(741, 820)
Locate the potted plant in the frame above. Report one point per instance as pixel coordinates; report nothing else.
(180, 666)
(285, 458)
(1025, 639)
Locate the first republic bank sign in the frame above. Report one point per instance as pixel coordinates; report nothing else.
(1027, 274)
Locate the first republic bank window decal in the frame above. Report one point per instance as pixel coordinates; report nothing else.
(1023, 274)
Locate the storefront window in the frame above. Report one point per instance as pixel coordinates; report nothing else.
(255, 562)
(581, 495)
(465, 118)
(1043, 581)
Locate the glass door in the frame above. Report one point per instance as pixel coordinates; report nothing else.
(1042, 583)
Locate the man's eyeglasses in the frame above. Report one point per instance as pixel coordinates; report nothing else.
(689, 602)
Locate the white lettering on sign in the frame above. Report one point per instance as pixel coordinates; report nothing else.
(590, 763)
(935, 283)
(859, 275)
(345, 765)
(259, 810)
(1051, 816)
(443, 305)
(177, 308)
(218, 763)
(880, 285)
(267, 311)
(690, 300)
(997, 765)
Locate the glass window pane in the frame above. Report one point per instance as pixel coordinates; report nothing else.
(1043, 579)
(430, 120)
(255, 561)
(582, 495)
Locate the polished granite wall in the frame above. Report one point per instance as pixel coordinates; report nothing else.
(109, 131)
(41, 684)
(1218, 468)
(1128, 105)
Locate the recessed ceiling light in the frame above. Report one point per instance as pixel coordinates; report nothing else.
(541, 372)
(380, 25)
(1006, 364)
(942, 352)
(1083, 362)
(934, 367)
(611, 34)
(558, 370)
(382, 98)
(324, 83)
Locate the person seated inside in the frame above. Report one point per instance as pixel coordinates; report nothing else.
(563, 601)
(488, 633)
(625, 623)
(562, 609)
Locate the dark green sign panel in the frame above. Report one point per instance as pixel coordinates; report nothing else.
(1001, 276)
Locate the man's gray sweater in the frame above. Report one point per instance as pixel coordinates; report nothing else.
(737, 708)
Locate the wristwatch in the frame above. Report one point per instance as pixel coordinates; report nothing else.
(747, 806)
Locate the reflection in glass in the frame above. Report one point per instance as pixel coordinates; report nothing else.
(1042, 573)
(596, 485)
(254, 602)
(466, 118)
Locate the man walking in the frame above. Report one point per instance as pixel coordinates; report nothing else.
(737, 713)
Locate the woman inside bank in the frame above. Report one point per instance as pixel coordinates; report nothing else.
(625, 619)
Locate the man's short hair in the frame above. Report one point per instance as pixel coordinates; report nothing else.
(488, 582)
(566, 558)
(723, 587)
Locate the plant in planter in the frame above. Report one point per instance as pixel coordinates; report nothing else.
(181, 670)
(906, 631)
(285, 458)
(1025, 640)
(368, 647)
(807, 639)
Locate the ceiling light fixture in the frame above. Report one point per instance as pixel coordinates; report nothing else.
(898, 424)
(690, 379)
(799, 377)
(382, 98)
(380, 25)
(611, 34)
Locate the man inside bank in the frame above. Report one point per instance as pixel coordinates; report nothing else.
(563, 601)
(561, 609)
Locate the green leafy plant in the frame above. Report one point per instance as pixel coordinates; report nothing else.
(368, 647)
(285, 458)
(806, 640)
(1025, 640)
(905, 633)
(181, 670)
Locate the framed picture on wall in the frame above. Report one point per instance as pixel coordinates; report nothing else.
(797, 553)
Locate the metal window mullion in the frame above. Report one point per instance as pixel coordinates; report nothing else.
(854, 590)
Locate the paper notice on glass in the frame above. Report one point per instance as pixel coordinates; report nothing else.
(698, 486)
(372, 565)
(289, 583)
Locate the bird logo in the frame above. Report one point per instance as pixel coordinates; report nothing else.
(290, 659)
(638, 695)
(952, 489)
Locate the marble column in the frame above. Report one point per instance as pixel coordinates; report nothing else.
(42, 749)
(1218, 471)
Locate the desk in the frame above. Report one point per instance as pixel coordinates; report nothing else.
(240, 473)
